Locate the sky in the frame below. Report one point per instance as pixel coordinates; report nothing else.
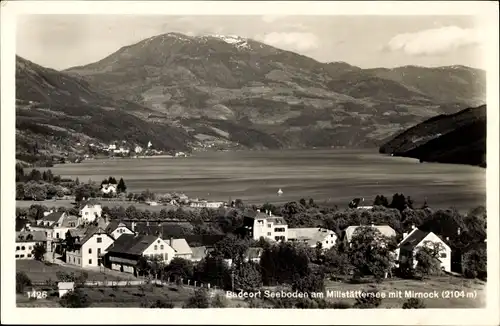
(63, 41)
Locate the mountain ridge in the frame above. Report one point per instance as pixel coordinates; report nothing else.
(225, 91)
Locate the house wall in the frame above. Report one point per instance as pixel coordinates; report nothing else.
(89, 213)
(160, 247)
(119, 231)
(329, 240)
(445, 254)
(90, 249)
(74, 257)
(24, 249)
(267, 229)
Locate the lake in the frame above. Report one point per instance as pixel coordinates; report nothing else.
(328, 176)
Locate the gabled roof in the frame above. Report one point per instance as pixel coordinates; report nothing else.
(90, 203)
(31, 236)
(414, 239)
(115, 224)
(309, 235)
(131, 244)
(53, 217)
(384, 229)
(69, 219)
(91, 231)
(181, 247)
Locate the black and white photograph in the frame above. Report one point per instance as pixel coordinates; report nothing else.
(271, 162)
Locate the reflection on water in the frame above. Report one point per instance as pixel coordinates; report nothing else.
(333, 176)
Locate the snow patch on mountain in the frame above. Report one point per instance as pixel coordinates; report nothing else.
(239, 42)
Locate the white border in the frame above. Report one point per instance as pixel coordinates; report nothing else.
(486, 12)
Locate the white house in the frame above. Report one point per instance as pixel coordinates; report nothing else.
(90, 210)
(408, 247)
(138, 149)
(313, 236)
(109, 188)
(116, 229)
(54, 226)
(269, 227)
(90, 249)
(124, 254)
(26, 241)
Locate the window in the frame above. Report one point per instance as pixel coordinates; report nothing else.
(90, 261)
(269, 225)
(57, 235)
(156, 247)
(99, 240)
(78, 261)
(268, 234)
(326, 241)
(158, 241)
(442, 255)
(17, 248)
(29, 255)
(29, 248)
(17, 256)
(90, 250)
(331, 235)
(22, 256)
(279, 229)
(23, 248)
(98, 251)
(161, 247)
(86, 213)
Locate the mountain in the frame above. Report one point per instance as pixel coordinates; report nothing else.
(229, 90)
(455, 138)
(55, 111)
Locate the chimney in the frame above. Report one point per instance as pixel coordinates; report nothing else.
(270, 214)
(171, 241)
(405, 234)
(458, 231)
(447, 238)
(133, 226)
(413, 226)
(373, 224)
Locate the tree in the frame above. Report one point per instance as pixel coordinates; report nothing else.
(313, 282)
(247, 276)
(143, 266)
(231, 247)
(75, 299)
(413, 303)
(337, 262)
(381, 200)
(179, 268)
(39, 252)
(427, 258)
(198, 300)
(19, 191)
(474, 264)
(369, 253)
(22, 281)
(368, 299)
(121, 186)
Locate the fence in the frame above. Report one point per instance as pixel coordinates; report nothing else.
(169, 281)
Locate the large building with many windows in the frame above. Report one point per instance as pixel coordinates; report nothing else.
(26, 242)
(267, 226)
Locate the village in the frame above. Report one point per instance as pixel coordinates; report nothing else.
(232, 246)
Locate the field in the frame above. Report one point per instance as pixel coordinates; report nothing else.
(39, 272)
(439, 284)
